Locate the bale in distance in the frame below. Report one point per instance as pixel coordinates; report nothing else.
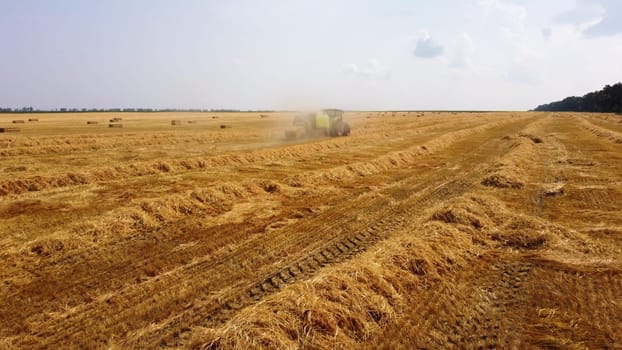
(3, 130)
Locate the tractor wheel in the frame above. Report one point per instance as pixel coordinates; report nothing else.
(337, 130)
(332, 132)
(346, 129)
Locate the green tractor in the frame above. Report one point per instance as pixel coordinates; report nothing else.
(327, 122)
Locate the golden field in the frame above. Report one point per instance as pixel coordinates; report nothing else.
(434, 230)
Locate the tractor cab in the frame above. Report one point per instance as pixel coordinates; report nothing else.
(332, 121)
(327, 122)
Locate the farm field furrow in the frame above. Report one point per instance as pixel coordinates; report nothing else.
(419, 230)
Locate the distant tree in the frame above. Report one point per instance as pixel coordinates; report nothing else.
(607, 100)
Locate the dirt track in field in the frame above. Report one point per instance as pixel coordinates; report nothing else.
(420, 230)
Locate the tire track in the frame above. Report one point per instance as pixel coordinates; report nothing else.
(590, 180)
(129, 240)
(474, 311)
(338, 250)
(600, 131)
(113, 273)
(223, 272)
(573, 306)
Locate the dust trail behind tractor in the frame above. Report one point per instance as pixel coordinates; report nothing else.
(327, 122)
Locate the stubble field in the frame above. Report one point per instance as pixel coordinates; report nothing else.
(420, 230)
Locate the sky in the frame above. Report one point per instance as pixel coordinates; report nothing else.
(299, 54)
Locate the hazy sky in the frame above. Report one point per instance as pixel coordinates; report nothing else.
(289, 54)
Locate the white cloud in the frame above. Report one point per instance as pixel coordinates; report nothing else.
(372, 69)
(521, 53)
(594, 18)
(611, 23)
(463, 49)
(507, 7)
(583, 15)
(428, 48)
(425, 46)
(510, 14)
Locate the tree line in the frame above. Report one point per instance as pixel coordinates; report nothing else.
(607, 100)
(91, 110)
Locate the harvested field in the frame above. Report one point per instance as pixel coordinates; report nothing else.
(419, 230)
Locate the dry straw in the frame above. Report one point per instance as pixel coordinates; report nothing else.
(365, 301)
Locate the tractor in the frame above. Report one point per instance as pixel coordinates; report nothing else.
(327, 122)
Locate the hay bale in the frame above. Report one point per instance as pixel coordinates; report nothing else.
(502, 181)
(175, 122)
(554, 190)
(116, 119)
(214, 117)
(33, 119)
(3, 130)
(91, 122)
(113, 125)
(263, 115)
(18, 121)
(15, 168)
(192, 121)
(225, 126)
